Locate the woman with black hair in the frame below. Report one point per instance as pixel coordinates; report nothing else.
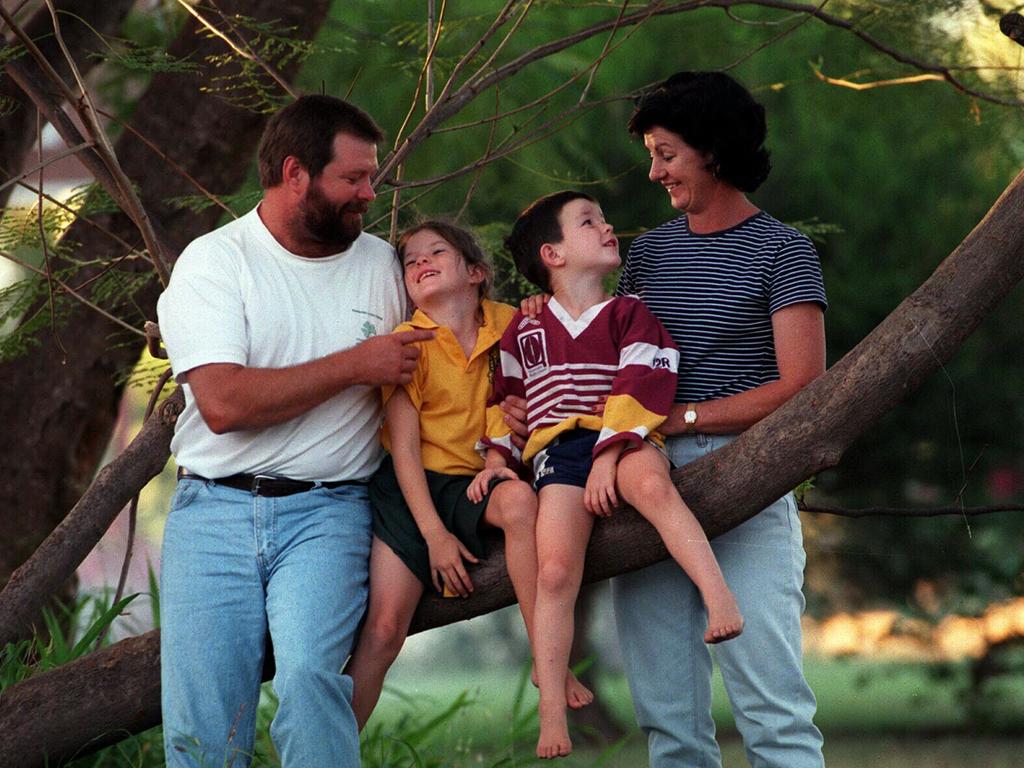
(742, 296)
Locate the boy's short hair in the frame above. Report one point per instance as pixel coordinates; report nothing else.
(462, 240)
(712, 113)
(306, 129)
(534, 227)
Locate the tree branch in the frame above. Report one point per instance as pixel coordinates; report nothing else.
(825, 509)
(66, 547)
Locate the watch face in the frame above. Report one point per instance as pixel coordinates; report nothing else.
(690, 417)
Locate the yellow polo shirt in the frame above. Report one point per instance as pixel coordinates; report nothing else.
(450, 392)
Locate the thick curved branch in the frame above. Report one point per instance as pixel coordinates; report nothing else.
(66, 547)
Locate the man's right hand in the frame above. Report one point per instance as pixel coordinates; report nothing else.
(389, 358)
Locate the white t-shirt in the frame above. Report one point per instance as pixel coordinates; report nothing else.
(238, 296)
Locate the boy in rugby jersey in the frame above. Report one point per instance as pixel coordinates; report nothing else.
(584, 347)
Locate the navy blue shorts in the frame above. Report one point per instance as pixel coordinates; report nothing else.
(566, 460)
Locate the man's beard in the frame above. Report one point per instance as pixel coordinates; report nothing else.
(331, 225)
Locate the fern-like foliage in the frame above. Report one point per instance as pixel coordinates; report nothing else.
(245, 82)
(149, 59)
(239, 203)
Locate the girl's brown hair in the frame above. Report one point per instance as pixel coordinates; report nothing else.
(462, 240)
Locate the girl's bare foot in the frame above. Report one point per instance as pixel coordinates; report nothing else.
(577, 695)
(724, 619)
(554, 731)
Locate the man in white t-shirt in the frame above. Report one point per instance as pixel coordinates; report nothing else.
(277, 329)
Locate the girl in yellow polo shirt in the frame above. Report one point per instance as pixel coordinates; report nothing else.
(425, 525)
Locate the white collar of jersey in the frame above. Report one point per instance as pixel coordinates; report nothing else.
(578, 326)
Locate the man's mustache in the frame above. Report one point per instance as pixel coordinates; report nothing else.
(355, 207)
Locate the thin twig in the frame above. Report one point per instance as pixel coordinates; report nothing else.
(77, 214)
(773, 39)
(909, 80)
(428, 95)
(604, 52)
(66, 152)
(45, 246)
(526, 140)
(405, 203)
(487, 151)
(245, 53)
(133, 513)
(427, 60)
(174, 166)
(32, 268)
(129, 200)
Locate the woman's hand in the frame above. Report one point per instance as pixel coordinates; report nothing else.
(478, 488)
(532, 306)
(514, 409)
(446, 554)
(599, 497)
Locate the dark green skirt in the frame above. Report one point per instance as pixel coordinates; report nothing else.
(394, 524)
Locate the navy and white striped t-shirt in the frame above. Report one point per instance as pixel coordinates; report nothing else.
(715, 294)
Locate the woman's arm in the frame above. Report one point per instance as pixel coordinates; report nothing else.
(799, 334)
(446, 551)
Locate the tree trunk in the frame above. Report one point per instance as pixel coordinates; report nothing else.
(57, 411)
(116, 690)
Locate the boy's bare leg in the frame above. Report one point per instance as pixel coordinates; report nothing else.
(513, 509)
(563, 530)
(394, 593)
(644, 482)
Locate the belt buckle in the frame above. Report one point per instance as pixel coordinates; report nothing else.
(256, 480)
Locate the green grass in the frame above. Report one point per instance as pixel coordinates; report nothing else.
(433, 714)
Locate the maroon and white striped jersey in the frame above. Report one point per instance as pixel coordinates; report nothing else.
(562, 367)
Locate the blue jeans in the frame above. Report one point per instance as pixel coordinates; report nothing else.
(661, 621)
(236, 566)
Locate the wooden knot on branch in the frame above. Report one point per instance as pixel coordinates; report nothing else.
(1012, 25)
(152, 331)
(172, 407)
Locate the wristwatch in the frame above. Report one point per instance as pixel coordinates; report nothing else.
(690, 417)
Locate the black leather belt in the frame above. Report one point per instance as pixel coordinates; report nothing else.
(265, 485)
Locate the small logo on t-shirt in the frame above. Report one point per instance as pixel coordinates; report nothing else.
(534, 352)
(661, 362)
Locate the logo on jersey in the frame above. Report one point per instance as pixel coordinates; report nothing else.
(533, 351)
(661, 362)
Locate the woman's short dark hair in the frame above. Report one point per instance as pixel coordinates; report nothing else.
(306, 129)
(714, 114)
(459, 238)
(537, 225)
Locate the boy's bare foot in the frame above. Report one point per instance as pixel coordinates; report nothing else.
(724, 619)
(554, 732)
(577, 695)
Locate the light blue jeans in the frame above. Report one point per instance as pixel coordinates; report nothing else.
(236, 566)
(661, 622)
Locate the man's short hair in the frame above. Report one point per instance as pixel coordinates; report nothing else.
(459, 238)
(306, 129)
(713, 114)
(537, 225)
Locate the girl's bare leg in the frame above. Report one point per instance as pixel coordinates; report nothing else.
(563, 530)
(644, 482)
(394, 593)
(513, 509)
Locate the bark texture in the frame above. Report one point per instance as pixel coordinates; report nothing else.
(116, 688)
(60, 554)
(57, 411)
